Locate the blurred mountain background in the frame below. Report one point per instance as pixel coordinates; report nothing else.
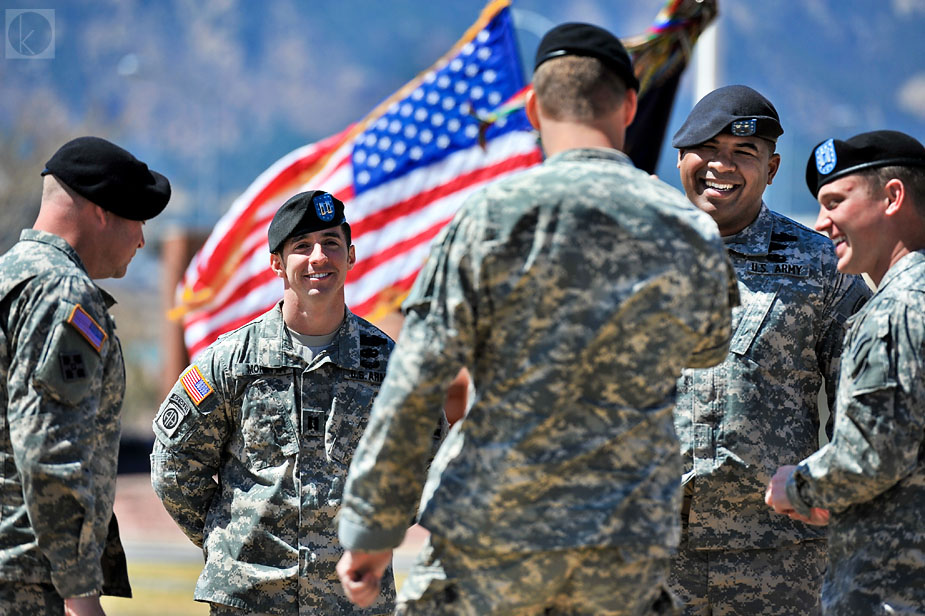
(212, 93)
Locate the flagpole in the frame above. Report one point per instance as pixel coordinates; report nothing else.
(705, 62)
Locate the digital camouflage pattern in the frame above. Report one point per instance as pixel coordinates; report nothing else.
(61, 392)
(871, 476)
(741, 420)
(575, 292)
(450, 581)
(279, 433)
(30, 600)
(783, 580)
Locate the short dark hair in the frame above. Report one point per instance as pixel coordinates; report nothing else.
(578, 88)
(913, 178)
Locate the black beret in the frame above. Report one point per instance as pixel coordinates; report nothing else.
(577, 39)
(737, 110)
(303, 213)
(835, 158)
(110, 177)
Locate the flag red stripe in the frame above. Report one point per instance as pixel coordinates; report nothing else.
(369, 305)
(205, 341)
(366, 265)
(386, 215)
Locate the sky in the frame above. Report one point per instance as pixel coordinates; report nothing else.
(212, 93)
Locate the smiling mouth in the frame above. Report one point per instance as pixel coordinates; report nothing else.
(319, 276)
(721, 187)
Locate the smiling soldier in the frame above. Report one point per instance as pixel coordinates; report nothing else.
(739, 421)
(871, 477)
(274, 411)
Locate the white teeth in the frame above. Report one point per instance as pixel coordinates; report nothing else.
(317, 276)
(718, 185)
(838, 241)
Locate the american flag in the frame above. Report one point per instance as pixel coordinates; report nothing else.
(195, 385)
(402, 172)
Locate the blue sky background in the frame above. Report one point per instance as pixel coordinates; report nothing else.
(212, 93)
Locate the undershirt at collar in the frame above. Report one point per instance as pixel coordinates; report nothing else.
(309, 346)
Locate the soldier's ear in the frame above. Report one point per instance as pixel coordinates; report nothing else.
(276, 264)
(530, 108)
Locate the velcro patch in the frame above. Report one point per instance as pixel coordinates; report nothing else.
(88, 327)
(196, 385)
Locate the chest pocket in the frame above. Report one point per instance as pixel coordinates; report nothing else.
(752, 317)
(268, 435)
(346, 423)
(349, 416)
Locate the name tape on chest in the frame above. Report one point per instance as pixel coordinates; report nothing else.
(800, 270)
(366, 375)
(87, 327)
(196, 385)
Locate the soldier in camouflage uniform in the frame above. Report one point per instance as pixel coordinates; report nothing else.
(574, 292)
(274, 410)
(62, 381)
(871, 477)
(739, 421)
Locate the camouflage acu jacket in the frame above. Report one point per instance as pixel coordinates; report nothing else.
(872, 474)
(279, 434)
(741, 420)
(574, 292)
(61, 387)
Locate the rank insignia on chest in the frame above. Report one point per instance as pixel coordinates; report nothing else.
(87, 327)
(196, 385)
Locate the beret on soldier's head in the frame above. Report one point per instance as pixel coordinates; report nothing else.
(835, 158)
(305, 212)
(110, 177)
(736, 110)
(578, 39)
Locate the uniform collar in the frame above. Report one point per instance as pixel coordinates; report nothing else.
(912, 260)
(44, 237)
(755, 239)
(275, 348)
(34, 235)
(591, 153)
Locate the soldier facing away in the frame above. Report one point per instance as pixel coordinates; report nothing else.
(62, 381)
(574, 293)
(274, 410)
(740, 420)
(868, 482)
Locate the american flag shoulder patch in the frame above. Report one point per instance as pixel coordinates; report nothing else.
(88, 327)
(196, 385)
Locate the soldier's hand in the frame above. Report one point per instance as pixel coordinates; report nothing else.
(83, 606)
(817, 516)
(360, 573)
(776, 494)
